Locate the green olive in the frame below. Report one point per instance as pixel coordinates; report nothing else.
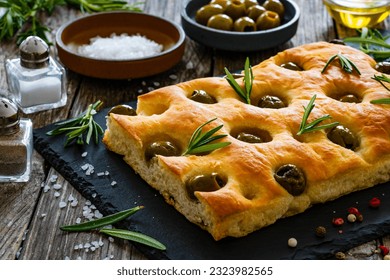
(223, 3)
(342, 136)
(206, 12)
(235, 9)
(123, 110)
(204, 183)
(244, 24)
(249, 138)
(255, 11)
(349, 98)
(221, 22)
(291, 178)
(383, 67)
(268, 20)
(164, 148)
(274, 6)
(202, 97)
(271, 102)
(250, 3)
(291, 66)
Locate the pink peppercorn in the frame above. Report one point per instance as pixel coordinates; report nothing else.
(354, 210)
(337, 221)
(375, 202)
(384, 250)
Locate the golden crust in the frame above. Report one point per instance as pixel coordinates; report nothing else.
(251, 198)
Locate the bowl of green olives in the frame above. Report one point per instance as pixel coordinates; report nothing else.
(240, 25)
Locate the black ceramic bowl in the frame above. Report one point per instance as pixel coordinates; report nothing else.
(240, 41)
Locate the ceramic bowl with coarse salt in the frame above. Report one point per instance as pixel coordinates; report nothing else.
(120, 45)
(248, 41)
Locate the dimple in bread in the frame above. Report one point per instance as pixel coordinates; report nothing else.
(244, 194)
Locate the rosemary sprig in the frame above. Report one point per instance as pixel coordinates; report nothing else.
(244, 93)
(346, 64)
(91, 6)
(134, 236)
(314, 125)
(382, 79)
(25, 15)
(121, 233)
(200, 142)
(107, 220)
(371, 42)
(78, 128)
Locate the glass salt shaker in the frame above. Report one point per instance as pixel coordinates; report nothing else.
(16, 144)
(35, 80)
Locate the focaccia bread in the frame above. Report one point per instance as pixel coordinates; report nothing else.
(245, 186)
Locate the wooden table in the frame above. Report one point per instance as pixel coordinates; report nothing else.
(30, 214)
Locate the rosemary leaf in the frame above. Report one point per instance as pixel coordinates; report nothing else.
(98, 223)
(381, 101)
(199, 141)
(346, 64)
(314, 125)
(244, 93)
(134, 236)
(382, 79)
(81, 128)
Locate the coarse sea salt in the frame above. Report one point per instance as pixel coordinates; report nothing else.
(120, 47)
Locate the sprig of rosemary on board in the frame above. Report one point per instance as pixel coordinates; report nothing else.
(82, 128)
(245, 92)
(346, 64)
(200, 142)
(382, 79)
(314, 125)
(371, 42)
(22, 17)
(120, 233)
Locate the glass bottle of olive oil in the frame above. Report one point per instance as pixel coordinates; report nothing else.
(358, 13)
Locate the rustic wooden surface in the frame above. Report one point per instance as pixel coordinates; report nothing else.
(30, 213)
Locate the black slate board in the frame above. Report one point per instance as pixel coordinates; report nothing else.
(185, 240)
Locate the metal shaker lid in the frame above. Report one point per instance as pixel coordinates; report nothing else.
(9, 117)
(34, 53)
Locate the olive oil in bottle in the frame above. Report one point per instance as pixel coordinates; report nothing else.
(358, 13)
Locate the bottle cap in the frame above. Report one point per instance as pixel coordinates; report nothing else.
(9, 117)
(34, 53)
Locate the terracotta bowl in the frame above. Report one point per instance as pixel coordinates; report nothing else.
(81, 30)
(240, 41)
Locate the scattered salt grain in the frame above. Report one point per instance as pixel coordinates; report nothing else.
(43, 215)
(151, 88)
(57, 186)
(57, 194)
(46, 188)
(190, 65)
(173, 77)
(106, 173)
(100, 174)
(53, 178)
(78, 220)
(119, 47)
(113, 183)
(84, 154)
(94, 195)
(62, 204)
(156, 84)
(74, 203)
